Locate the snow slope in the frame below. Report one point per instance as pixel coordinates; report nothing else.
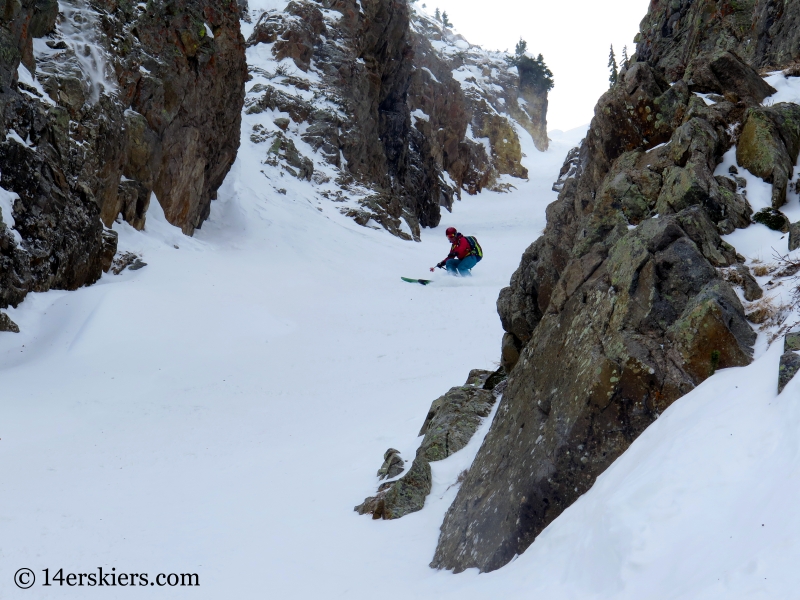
(222, 410)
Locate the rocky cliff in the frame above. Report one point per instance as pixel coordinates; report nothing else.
(624, 304)
(383, 111)
(103, 103)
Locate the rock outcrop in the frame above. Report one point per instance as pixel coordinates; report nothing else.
(451, 422)
(623, 305)
(104, 103)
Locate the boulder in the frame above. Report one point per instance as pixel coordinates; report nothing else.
(6, 324)
(752, 291)
(794, 236)
(788, 368)
(728, 206)
(791, 342)
(299, 35)
(282, 148)
(496, 382)
(723, 72)
(477, 378)
(274, 99)
(769, 145)
(409, 493)
(569, 169)
(452, 421)
(405, 496)
(711, 332)
(773, 218)
(392, 465)
(509, 352)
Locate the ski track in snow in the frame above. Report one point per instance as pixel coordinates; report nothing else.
(222, 410)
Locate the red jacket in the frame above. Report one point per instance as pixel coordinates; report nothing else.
(460, 249)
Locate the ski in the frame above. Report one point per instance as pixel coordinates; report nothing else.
(420, 281)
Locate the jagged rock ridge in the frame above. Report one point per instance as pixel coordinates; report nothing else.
(622, 306)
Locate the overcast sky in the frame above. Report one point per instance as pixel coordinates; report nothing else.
(573, 35)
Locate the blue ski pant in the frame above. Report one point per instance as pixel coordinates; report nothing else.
(461, 267)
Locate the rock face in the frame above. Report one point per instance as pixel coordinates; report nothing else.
(126, 100)
(187, 102)
(363, 59)
(765, 33)
(405, 127)
(622, 306)
(53, 237)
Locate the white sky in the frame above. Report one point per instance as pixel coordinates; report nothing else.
(573, 35)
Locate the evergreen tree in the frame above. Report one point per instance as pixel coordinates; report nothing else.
(445, 21)
(532, 72)
(437, 15)
(624, 64)
(612, 65)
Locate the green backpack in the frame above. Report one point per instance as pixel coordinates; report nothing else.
(477, 251)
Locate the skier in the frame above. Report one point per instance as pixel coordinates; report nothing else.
(462, 255)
